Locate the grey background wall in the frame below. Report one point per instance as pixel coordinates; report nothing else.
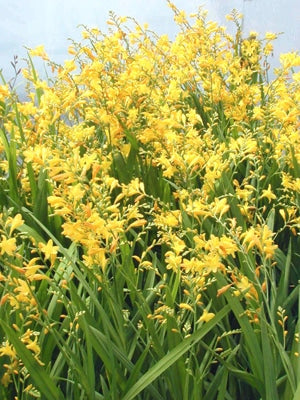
(52, 22)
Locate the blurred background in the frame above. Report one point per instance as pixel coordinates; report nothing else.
(51, 22)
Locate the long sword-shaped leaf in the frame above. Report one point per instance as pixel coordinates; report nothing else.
(269, 365)
(170, 358)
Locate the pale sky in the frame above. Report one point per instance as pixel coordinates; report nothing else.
(51, 22)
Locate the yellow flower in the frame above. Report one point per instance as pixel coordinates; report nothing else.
(268, 194)
(169, 218)
(14, 222)
(33, 346)
(206, 316)
(268, 245)
(270, 36)
(173, 261)
(186, 306)
(7, 350)
(180, 18)
(252, 238)
(49, 250)
(245, 287)
(39, 51)
(8, 246)
(4, 92)
(220, 206)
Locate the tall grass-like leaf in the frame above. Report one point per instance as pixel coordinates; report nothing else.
(19, 122)
(294, 365)
(269, 365)
(36, 371)
(169, 359)
(101, 344)
(40, 206)
(252, 345)
(284, 262)
(10, 150)
(218, 383)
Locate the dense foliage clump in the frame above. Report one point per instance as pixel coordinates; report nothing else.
(150, 221)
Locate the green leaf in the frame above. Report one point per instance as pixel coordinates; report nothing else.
(252, 345)
(10, 150)
(269, 364)
(169, 359)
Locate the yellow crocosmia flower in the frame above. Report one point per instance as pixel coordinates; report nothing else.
(32, 267)
(71, 50)
(170, 218)
(178, 244)
(96, 256)
(137, 223)
(186, 306)
(289, 60)
(206, 316)
(4, 92)
(244, 286)
(7, 377)
(76, 192)
(8, 246)
(49, 250)
(283, 215)
(267, 242)
(192, 265)
(270, 36)
(197, 208)
(252, 238)
(220, 207)
(173, 261)
(224, 245)
(34, 347)
(23, 294)
(229, 17)
(69, 66)
(39, 51)
(268, 194)
(14, 222)
(85, 34)
(212, 263)
(7, 350)
(258, 112)
(224, 289)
